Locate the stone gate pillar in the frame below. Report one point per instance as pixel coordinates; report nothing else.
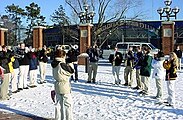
(85, 41)
(2, 36)
(38, 37)
(168, 37)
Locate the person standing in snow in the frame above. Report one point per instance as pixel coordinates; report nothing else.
(43, 59)
(116, 60)
(6, 68)
(129, 63)
(14, 81)
(178, 52)
(171, 66)
(145, 70)
(93, 54)
(137, 65)
(73, 58)
(62, 73)
(24, 66)
(33, 68)
(158, 73)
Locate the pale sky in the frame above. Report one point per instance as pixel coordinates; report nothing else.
(49, 6)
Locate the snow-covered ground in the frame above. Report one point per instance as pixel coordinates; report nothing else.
(102, 101)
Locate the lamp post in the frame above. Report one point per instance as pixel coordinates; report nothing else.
(86, 20)
(167, 36)
(86, 16)
(167, 11)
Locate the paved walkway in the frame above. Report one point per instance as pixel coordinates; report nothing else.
(13, 116)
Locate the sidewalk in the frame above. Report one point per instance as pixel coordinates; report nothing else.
(13, 116)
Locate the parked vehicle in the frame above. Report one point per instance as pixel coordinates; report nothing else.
(124, 46)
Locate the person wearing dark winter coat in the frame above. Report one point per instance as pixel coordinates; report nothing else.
(73, 58)
(93, 54)
(145, 71)
(137, 65)
(43, 59)
(14, 74)
(5, 59)
(33, 68)
(24, 66)
(129, 63)
(62, 73)
(178, 52)
(171, 75)
(116, 60)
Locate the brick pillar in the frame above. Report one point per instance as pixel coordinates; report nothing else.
(2, 37)
(38, 37)
(168, 37)
(85, 41)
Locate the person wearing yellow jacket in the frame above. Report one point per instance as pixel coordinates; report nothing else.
(5, 59)
(171, 67)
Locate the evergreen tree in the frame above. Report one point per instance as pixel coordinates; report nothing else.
(59, 17)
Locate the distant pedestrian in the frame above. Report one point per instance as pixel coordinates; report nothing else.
(116, 59)
(129, 64)
(62, 73)
(158, 73)
(137, 65)
(171, 75)
(178, 52)
(6, 69)
(14, 81)
(33, 68)
(24, 66)
(145, 71)
(72, 57)
(93, 63)
(43, 59)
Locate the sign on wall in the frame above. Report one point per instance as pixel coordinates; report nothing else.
(84, 33)
(167, 33)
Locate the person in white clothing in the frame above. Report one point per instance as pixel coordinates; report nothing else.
(158, 73)
(62, 73)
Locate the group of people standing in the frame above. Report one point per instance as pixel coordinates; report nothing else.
(65, 65)
(18, 65)
(140, 61)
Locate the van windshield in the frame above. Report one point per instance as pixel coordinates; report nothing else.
(152, 46)
(122, 46)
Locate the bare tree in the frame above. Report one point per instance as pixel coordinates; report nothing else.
(107, 11)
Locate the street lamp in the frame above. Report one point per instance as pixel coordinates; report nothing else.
(86, 16)
(1, 23)
(169, 12)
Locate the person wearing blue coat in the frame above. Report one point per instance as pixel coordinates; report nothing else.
(33, 68)
(137, 65)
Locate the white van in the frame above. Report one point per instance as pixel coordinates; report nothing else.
(124, 46)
